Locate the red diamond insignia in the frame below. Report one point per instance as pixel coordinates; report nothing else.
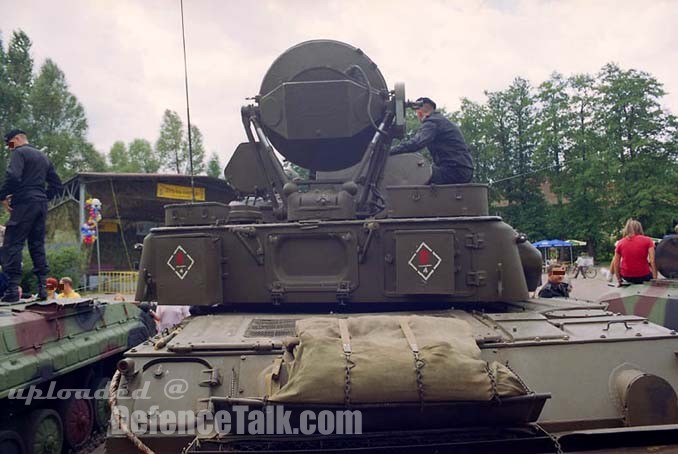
(180, 262)
(425, 261)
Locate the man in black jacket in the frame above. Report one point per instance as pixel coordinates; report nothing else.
(24, 195)
(452, 162)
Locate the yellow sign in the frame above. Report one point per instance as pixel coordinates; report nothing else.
(172, 191)
(108, 226)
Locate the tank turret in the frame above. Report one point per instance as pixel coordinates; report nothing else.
(325, 106)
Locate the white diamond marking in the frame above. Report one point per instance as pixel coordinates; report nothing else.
(425, 270)
(181, 270)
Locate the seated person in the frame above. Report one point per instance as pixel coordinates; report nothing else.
(67, 285)
(634, 260)
(555, 287)
(51, 284)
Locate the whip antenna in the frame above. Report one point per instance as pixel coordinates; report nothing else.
(188, 109)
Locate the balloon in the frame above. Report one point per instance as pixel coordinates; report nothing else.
(89, 228)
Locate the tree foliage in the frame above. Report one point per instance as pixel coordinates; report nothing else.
(138, 157)
(172, 146)
(142, 156)
(601, 147)
(44, 107)
(214, 168)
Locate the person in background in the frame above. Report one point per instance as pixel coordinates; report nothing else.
(582, 264)
(52, 285)
(555, 287)
(634, 255)
(67, 285)
(169, 316)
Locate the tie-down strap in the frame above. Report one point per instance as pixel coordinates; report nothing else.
(418, 362)
(346, 347)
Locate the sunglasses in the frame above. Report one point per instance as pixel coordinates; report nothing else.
(558, 273)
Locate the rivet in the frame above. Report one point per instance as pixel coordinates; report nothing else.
(603, 336)
(243, 358)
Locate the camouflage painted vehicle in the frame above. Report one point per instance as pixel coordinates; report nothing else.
(48, 348)
(373, 268)
(656, 300)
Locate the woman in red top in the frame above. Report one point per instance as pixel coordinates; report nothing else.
(636, 253)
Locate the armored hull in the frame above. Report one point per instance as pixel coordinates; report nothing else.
(581, 363)
(51, 348)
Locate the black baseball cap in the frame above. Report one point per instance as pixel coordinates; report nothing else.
(421, 101)
(12, 134)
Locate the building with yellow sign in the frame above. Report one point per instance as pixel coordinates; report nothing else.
(132, 204)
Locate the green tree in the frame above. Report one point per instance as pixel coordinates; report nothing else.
(118, 157)
(639, 139)
(477, 128)
(142, 157)
(16, 69)
(214, 166)
(170, 143)
(88, 159)
(19, 73)
(198, 148)
(138, 157)
(555, 121)
(5, 95)
(58, 122)
(43, 106)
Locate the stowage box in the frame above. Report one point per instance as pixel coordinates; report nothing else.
(203, 213)
(444, 200)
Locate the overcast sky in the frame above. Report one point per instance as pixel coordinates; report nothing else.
(123, 59)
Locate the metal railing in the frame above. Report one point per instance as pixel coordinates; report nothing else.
(118, 281)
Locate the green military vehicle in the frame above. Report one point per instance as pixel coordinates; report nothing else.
(363, 289)
(49, 350)
(656, 300)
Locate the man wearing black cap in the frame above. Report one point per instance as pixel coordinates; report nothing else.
(24, 195)
(452, 162)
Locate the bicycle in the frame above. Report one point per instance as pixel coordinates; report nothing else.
(589, 272)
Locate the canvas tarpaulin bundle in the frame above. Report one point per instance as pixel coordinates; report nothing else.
(387, 358)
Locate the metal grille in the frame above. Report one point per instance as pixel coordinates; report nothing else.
(264, 327)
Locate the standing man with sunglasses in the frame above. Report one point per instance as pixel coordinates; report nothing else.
(452, 162)
(29, 183)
